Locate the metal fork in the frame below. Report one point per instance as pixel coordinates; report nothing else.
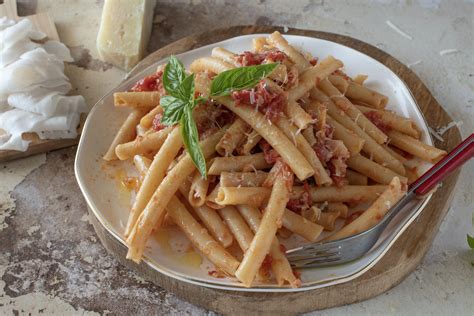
(353, 247)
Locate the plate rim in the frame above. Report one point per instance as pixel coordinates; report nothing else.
(228, 287)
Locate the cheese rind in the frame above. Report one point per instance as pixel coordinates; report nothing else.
(124, 31)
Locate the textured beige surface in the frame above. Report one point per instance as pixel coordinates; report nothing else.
(50, 259)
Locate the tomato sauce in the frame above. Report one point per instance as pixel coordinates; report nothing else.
(150, 83)
(303, 202)
(156, 125)
(250, 59)
(353, 217)
(268, 103)
(216, 274)
(333, 154)
(376, 118)
(270, 154)
(266, 265)
(342, 74)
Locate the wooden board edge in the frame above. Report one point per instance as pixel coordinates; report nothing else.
(38, 148)
(41, 146)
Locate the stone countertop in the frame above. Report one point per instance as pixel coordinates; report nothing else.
(50, 258)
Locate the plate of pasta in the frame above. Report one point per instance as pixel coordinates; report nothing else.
(211, 164)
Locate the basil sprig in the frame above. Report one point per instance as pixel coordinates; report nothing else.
(178, 105)
(239, 79)
(173, 76)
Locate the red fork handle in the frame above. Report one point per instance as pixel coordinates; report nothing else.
(456, 158)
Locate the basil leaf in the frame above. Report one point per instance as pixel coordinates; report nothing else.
(185, 90)
(173, 105)
(172, 109)
(470, 241)
(190, 136)
(239, 78)
(178, 107)
(173, 75)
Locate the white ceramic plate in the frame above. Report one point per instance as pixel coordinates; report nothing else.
(170, 253)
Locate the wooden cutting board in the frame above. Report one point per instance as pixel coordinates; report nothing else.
(43, 23)
(398, 262)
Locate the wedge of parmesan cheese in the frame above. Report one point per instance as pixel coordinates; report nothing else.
(124, 31)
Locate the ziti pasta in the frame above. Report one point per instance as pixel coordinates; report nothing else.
(246, 147)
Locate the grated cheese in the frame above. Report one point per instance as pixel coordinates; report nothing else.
(323, 206)
(293, 136)
(435, 134)
(441, 130)
(448, 51)
(252, 97)
(253, 168)
(444, 129)
(414, 63)
(398, 30)
(357, 117)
